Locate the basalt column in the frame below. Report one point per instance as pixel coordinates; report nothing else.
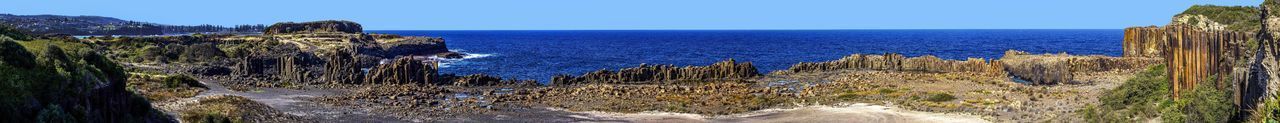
(1144, 41)
(342, 67)
(1194, 54)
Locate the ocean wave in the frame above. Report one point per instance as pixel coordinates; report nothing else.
(446, 62)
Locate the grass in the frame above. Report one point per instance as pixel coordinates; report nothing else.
(160, 87)
(939, 97)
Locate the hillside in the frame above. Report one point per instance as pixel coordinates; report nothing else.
(98, 25)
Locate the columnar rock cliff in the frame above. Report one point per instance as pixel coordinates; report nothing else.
(292, 70)
(1195, 54)
(1192, 53)
(329, 26)
(403, 70)
(893, 61)
(1144, 41)
(729, 69)
(342, 67)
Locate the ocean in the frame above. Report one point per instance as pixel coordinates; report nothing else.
(540, 54)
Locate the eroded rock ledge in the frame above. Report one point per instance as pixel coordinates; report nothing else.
(897, 62)
(1062, 68)
(645, 73)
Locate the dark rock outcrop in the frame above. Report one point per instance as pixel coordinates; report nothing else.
(893, 61)
(342, 67)
(292, 70)
(663, 73)
(328, 26)
(419, 46)
(403, 70)
(484, 80)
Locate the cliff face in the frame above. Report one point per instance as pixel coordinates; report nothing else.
(329, 26)
(342, 67)
(1194, 54)
(402, 71)
(663, 73)
(1144, 41)
(898, 62)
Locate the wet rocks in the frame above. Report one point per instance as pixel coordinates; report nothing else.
(404, 70)
(728, 69)
(328, 26)
(485, 80)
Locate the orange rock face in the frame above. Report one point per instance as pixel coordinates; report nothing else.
(1192, 54)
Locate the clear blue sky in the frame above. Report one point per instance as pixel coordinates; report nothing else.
(639, 14)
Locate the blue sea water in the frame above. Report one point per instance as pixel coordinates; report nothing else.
(540, 54)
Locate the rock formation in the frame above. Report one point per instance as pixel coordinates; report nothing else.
(1062, 68)
(1192, 53)
(342, 67)
(1144, 41)
(292, 70)
(403, 70)
(893, 61)
(485, 80)
(729, 69)
(329, 26)
(420, 46)
(1196, 54)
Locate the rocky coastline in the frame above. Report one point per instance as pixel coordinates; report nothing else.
(303, 71)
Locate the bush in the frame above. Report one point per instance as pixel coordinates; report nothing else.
(1147, 96)
(1137, 98)
(181, 81)
(1204, 104)
(939, 97)
(1238, 18)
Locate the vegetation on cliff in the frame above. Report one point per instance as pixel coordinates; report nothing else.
(54, 84)
(1148, 96)
(1235, 18)
(332, 26)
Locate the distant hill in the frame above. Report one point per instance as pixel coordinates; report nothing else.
(98, 25)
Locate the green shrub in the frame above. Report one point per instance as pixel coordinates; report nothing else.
(1239, 18)
(14, 33)
(1204, 104)
(181, 81)
(1139, 97)
(939, 97)
(54, 114)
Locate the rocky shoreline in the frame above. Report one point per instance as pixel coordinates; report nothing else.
(327, 70)
(393, 76)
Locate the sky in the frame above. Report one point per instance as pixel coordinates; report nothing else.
(638, 14)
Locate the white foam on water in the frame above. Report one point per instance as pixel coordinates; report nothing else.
(444, 62)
